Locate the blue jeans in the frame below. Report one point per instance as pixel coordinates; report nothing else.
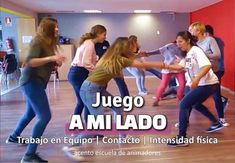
(217, 97)
(76, 76)
(139, 77)
(122, 86)
(194, 99)
(88, 95)
(36, 105)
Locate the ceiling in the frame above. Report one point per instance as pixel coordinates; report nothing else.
(113, 6)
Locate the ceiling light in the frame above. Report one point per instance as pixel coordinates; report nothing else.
(142, 11)
(92, 11)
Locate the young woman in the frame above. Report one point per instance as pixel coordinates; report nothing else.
(138, 73)
(100, 49)
(220, 73)
(170, 53)
(211, 49)
(39, 64)
(204, 83)
(117, 57)
(84, 62)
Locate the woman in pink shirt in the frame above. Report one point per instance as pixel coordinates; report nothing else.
(84, 61)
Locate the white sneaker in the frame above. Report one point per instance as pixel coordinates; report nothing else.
(223, 122)
(142, 93)
(177, 125)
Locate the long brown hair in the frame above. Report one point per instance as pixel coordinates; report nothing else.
(110, 60)
(46, 33)
(95, 30)
(133, 40)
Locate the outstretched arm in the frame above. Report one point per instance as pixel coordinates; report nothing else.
(154, 52)
(138, 64)
(156, 64)
(174, 67)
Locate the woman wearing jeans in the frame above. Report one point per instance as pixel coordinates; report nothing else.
(204, 83)
(138, 73)
(40, 62)
(100, 49)
(84, 62)
(210, 47)
(118, 56)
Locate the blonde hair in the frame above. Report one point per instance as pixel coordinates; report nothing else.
(95, 30)
(199, 26)
(111, 59)
(46, 33)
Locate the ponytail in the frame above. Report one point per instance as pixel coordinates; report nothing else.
(85, 37)
(95, 30)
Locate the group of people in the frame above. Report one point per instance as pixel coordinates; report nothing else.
(193, 55)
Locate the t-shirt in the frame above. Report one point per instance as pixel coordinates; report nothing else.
(85, 55)
(101, 48)
(42, 73)
(102, 76)
(212, 51)
(194, 61)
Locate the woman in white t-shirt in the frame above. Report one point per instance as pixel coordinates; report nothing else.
(203, 83)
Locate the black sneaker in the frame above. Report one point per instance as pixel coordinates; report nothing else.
(12, 140)
(32, 158)
(215, 127)
(178, 141)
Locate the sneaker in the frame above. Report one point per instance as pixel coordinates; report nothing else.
(177, 124)
(72, 154)
(223, 122)
(154, 97)
(155, 103)
(32, 158)
(179, 142)
(143, 93)
(215, 127)
(12, 140)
